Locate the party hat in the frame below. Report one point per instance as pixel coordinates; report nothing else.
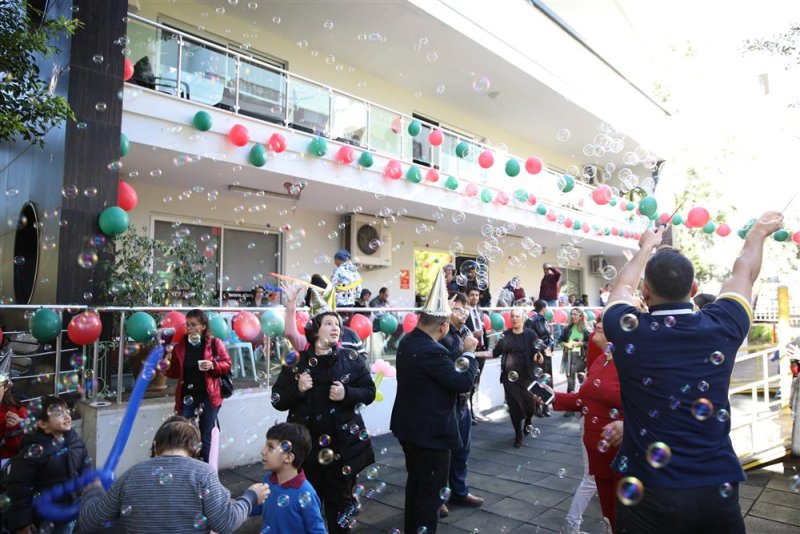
(437, 304)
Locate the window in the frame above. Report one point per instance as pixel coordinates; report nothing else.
(240, 259)
(571, 282)
(422, 152)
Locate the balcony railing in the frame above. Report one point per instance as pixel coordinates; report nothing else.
(180, 64)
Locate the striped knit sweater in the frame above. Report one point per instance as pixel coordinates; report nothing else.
(166, 494)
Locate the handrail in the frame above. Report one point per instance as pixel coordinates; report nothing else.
(614, 216)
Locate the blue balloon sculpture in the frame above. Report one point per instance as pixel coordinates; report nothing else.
(61, 513)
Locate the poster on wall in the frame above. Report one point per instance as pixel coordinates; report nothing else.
(405, 279)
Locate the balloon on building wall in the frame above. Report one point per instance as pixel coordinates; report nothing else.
(113, 221)
(177, 321)
(436, 137)
(44, 325)
(84, 328)
(361, 325)
(276, 143)
(127, 198)
(202, 121)
(238, 135)
(410, 322)
(533, 165)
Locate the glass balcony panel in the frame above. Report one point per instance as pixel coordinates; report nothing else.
(309, 106)
(262, 92)
(349, 123)
(154, 54)
(385, 131)
(208, 76)
(421, 149)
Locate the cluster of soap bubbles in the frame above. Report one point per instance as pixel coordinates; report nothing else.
(607, 140)
(531, 247)
(566, 254)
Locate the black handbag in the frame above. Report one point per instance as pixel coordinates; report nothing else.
(226, 380)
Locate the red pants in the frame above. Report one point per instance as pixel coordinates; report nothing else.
(607, 491)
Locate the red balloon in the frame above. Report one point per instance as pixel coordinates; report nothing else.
(501, 198)
(585, 228)
(127, 70)
(301, 319)
(568, 222)
(637, 236)
(487, 322)
(507, 318)
(84, 328)
(471, 190)
(246, 326)
(697, 217)
(238, 135)
(436, 137)
(532, 199)
(723, 230)
(486, 159)
(551, 216)
(664, 218)
(176, 320)
(127, 198)
(362, 326)
(277, 143)
(345, 155)
(559, 316)
(614, 231)
(432, 176)
(393, 170)
(410, 322)
(602, 195)
(795, 238)
(533, 165)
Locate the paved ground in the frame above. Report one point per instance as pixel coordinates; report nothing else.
(527, 491)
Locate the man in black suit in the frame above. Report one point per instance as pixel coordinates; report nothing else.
(424, 414)
(475, 324)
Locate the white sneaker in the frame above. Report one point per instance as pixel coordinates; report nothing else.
(566, 528)
(606, 526)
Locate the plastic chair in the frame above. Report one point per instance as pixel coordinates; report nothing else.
(239, 348)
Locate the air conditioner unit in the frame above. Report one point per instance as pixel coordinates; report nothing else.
(369, 241)
(597, 264)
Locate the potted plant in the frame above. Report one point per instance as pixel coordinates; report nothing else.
(150, 272)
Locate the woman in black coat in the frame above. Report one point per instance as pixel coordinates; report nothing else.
(325, 391)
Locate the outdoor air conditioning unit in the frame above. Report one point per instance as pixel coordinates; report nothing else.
(369, 241)
(597, 264)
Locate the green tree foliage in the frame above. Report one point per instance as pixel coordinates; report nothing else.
(28, 107)
(785, 44)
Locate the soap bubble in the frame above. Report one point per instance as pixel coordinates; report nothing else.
(658, 454)
(563, 135)
(444, 493)
(34, 451)
(669, 321)
(328, 25)
(324, 440)
(87, 259)
(630, 491)
(703, 386)
(283, 501)
(481, 85)
(325, 457)
(456, 248)
(462, 364)
(200, 521)
(69, 191)
(458, 217)
(609, 272)
(717, 357)
(723, 415)
(726, 490)
(561, 473)
(603, 446)
(629, 322)
(702, 409)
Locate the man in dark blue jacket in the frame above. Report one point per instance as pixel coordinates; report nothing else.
(424, 415)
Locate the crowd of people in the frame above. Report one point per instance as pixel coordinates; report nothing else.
(674, 463)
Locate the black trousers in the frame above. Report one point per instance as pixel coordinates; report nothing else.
(428, 471)
(335, 490)
(476, 385)
(701, 510)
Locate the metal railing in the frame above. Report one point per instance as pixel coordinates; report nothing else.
(174, 62)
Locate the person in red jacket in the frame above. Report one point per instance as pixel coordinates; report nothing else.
(198, 361)
(12, 417)
(600, 402)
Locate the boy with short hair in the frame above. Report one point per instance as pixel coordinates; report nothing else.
(51, 455)
(293, 505)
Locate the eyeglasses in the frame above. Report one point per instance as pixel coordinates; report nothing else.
(192, 325)
(459, 311)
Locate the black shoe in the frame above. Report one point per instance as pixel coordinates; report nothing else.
(517, 444)
(546, 413)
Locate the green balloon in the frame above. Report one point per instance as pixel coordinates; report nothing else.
(521, 195)
(780, 235)
(114, 221)
(258, 155)
(462, 149)
(414, 128)
(486, 196)
(124, 145)
(677, 219)
(272, 323)
(631, 206)
(742, 232)
(541, 209)
(141, 327)
(709, 228)
(566, 183)
(365, 160)
(607, 231)
(548, 314)
(44, 325)
(318, 147)
(497, 322)
(202, 121)
(648, 206)
(451, 183)
(388, 324)
(576, 224)
(414, 175)
(612, 202)
(218, 327)
(590, 316)
(512, 167)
